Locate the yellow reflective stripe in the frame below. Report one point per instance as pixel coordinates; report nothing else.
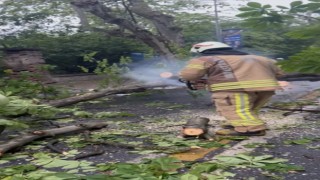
(246, 82)
(195, 66)
(239, 87)
(243, 111)
(247, 106)
(243, 84)
(239, 107)
(239, 122)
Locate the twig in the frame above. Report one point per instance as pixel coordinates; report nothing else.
(88, 139)
(96, 152)
(29, 137)
(51, 146)
(294, 109)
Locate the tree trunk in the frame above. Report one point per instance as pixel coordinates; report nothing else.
(27, 138)
(94, 95)
(163, 23)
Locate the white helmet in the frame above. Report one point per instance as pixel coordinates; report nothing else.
(200, 47)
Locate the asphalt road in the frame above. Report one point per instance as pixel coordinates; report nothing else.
(166, 110)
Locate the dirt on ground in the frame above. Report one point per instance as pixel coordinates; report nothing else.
(155, 119)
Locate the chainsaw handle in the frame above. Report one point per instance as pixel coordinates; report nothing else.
(182, 80)
(190, 86)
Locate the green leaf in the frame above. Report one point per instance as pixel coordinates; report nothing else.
(249, 14)
(13, 124)
(258, 158)
(295, 3)
(299, 141)
(167, 164)
(283, 168)
(245, 157)
(198, 169)
(266, 6)
(254, 5)
(247, 9)
(60, 176)
(230, 160)
(282, 7)
(189, 177)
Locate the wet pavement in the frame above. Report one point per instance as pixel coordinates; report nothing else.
(164, 111)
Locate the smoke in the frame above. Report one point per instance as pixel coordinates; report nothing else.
(148, 72)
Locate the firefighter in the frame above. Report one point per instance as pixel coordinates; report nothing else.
(240, 84)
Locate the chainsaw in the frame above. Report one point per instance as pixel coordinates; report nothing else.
(200, 84)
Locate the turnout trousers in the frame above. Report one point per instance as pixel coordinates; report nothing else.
(241, 108)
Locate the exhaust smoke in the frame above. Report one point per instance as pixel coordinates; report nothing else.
(151, 73)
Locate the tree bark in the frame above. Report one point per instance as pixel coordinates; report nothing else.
(160, 43)
(164, 23)
(27, 138)
(95, 95)
(300, 77)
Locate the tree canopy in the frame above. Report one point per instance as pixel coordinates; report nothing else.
(292, 31)
(150, 22)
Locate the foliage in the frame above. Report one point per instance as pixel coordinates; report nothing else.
(66, 51)
(85, 114)
(30, 89)
(112, 72)
(265, 16)
(65, 18)
(242, 160)
(47, 161)
(301, 141)
(296, 27)
(196, 28)
(159, 168)
(159, 104)
(306, 61)
(12, 124)
(18, 106)
(283, 168)
(17, 171)
(255, 145)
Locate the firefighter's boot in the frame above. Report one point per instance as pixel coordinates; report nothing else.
(259, 130)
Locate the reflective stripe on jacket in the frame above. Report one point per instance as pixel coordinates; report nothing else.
(234, 72)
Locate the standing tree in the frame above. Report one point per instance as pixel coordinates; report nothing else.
(146, 21)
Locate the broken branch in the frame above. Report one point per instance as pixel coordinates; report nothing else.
(95, 95)
(51, 146)
(97, 151)
(27, 138)
(293, 109)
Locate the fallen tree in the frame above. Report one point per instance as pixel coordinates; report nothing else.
(102, 93)
(29, 137)
(132, 89)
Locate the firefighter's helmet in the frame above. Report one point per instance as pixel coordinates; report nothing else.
(200, 47)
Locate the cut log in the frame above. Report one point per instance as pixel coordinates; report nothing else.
(95, 95)
(27, 138)
(195, 127)
(193, 131)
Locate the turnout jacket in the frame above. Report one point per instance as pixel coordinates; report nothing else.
(234, 72)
